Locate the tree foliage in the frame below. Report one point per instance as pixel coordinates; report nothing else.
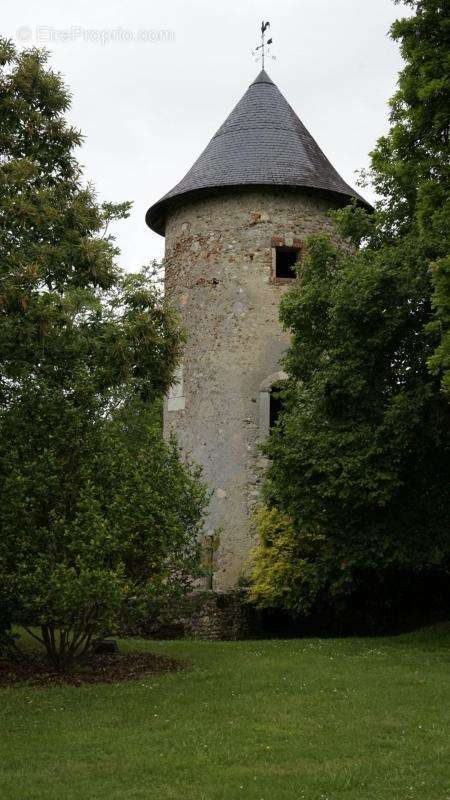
(361, 454)
(410, 166)
(286, 571)
(97, 523)
(93, 519)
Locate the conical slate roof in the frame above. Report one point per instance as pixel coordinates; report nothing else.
(262, 143)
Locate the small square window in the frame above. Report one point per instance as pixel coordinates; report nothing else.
(285, 261)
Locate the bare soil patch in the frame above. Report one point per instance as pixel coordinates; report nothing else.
(116, 668)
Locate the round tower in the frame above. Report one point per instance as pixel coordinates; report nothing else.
(235, 227)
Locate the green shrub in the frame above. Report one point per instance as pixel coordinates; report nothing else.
(285, 571)
(88, 547)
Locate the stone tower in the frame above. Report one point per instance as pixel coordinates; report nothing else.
(234, 227)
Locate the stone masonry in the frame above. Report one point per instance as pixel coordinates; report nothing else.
(220, 275)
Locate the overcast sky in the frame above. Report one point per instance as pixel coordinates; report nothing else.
(152, 82)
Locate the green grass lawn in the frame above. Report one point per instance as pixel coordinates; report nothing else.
(313, 719)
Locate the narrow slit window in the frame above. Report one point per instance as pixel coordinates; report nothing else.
(285, 260)
(276, 405)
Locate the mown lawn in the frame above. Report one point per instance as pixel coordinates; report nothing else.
(314, 719)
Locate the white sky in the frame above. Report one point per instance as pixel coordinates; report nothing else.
(148, 108)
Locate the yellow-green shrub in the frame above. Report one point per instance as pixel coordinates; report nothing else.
(284, 571)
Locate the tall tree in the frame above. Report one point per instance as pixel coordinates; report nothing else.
(410, 166)
(88, 522)
(360, 458)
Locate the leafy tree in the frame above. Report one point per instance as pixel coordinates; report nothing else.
(410, 166)
(97, 525)
(92, 520)
(360, 456)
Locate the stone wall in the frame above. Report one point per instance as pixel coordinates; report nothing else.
(221, 616)
(210, 615)
(219, 272)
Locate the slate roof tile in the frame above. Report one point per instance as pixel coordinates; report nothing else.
(262, 142)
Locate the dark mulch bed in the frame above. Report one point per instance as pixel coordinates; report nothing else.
(99, 669)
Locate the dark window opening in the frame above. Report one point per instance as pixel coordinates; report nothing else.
(276, 406)
(285, 261)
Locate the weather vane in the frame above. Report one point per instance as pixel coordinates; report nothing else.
(261, 52)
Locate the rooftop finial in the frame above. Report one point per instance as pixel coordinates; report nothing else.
(260, 52)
